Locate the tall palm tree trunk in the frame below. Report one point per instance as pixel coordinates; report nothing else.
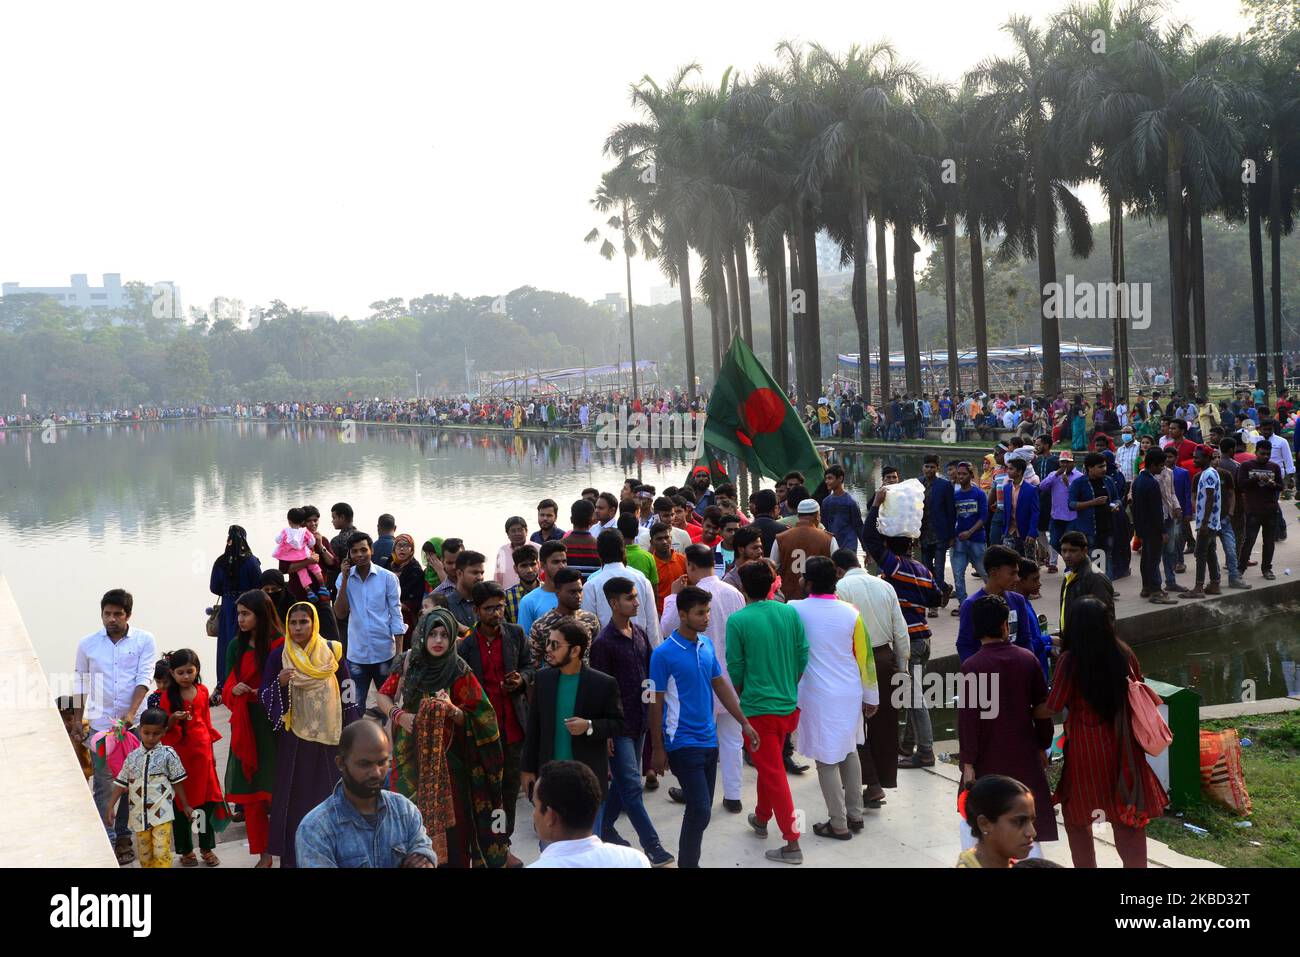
(1257, 289)
(950, 301)
(1120, 334)
(904, 304)
(797, 298)
(812, 327)
(631, 323)
(726, 328)
(781, 330)
(977, 306)
(733, 295)
(742, 286)
(1177, 287)
(1198, 291)
(688, 318)
(774, 316)
(882, 306)
(858, 221)
(1045, 247)
(1275, 260)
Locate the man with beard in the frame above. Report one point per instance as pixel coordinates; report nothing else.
(361, 824)
(700, 481)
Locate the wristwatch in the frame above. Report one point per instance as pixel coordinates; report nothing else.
(591, 726)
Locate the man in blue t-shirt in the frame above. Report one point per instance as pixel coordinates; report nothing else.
(685, 675)
(1002, 572)
(972, 508)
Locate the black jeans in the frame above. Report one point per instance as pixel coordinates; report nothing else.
(1255, 523)
(696, 769)
(1152, 553)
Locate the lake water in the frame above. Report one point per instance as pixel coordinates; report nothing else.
(146, 507)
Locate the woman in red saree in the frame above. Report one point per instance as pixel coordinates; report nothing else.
(250, 768)
(190, 733)
(1105, 769)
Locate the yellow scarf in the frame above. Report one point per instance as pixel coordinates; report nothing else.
(315, 709)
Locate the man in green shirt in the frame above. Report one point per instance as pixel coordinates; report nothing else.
(767, 652)
(636, 556)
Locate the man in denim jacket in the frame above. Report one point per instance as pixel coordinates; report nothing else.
(360, 824)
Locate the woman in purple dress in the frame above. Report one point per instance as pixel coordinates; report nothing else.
(1007, 728)
(307, 708)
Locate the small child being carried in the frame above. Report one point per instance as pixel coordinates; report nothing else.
(296, 543)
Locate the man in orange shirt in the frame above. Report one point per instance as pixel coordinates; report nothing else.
(671, 565)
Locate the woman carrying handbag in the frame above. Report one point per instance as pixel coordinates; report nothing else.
(1106, 778)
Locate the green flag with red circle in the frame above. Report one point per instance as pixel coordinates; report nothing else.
(750, 417)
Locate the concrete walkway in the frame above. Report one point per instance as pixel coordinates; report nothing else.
(917, 827)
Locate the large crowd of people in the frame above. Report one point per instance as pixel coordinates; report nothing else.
(393, 698)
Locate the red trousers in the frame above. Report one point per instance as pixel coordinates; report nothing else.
(1130, 843)
(773, 786)
(257, 824)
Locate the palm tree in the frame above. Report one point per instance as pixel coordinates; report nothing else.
(1019, 94)
(660, 147)
(616, 191)
(1187, 126)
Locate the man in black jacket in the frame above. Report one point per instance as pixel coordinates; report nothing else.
(576, 710)
(1149, 524)
(1082, 580)
(498, 654)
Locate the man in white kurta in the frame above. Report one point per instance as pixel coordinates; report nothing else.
(837, 689)
(726, 599)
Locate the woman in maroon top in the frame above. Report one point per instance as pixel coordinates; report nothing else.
(1106, 778)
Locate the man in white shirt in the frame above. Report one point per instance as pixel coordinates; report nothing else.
(891, 647)
(113, 672)
(701, 573)
(613, 556)
(664, 513)
(566, 799)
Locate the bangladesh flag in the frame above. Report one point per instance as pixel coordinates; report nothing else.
(751, 418)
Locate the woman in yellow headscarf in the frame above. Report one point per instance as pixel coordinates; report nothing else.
(309, 696)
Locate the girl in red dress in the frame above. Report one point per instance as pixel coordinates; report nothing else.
(190, 734)
(1106, 778)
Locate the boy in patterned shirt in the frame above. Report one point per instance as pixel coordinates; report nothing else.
(149, 775)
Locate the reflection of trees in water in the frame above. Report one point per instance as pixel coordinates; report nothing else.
(146, 480)
(1217, 663)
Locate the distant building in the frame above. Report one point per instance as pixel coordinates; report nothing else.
(615, 303)
(665, 295)
(81, 295)
(828, 256)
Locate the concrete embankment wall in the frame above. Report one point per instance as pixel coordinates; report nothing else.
(47, 815)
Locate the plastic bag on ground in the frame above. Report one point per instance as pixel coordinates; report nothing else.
(1222, 778)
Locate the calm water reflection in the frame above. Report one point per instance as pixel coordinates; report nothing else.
(146, 507)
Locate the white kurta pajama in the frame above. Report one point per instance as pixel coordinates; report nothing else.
(839, 680)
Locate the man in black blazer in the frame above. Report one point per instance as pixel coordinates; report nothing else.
(502, 662)
(1081, 581)
(1149, 524)
(575, 709)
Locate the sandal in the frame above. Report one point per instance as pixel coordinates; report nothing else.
(124, 850)
(190, 860)
(825, 830)
(210, 859)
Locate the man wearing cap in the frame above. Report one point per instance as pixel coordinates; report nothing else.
(1057, 485)
(701, 479)
(792, 549)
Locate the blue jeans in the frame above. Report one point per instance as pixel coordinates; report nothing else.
(1229, 539)
(996, 529)
(934, 556)
(103, 790)
(969, 552)
(696, 770)
(625, 794)
(1173, 550)
(363, 675)
(1057, 528)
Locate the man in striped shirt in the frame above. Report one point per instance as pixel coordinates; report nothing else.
(917, 592)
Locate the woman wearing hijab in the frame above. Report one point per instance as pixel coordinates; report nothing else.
(250, 767)
(410, 579)
(433, 567)
(274, 587)
(234, 572)
(303, 701)
(446, 746)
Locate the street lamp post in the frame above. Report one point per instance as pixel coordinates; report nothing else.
(417, 384)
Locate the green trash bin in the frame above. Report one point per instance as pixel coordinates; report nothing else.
(1179, 766)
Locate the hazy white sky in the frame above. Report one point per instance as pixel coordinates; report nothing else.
(334, 154)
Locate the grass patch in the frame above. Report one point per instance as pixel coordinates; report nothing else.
(1272, 769)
